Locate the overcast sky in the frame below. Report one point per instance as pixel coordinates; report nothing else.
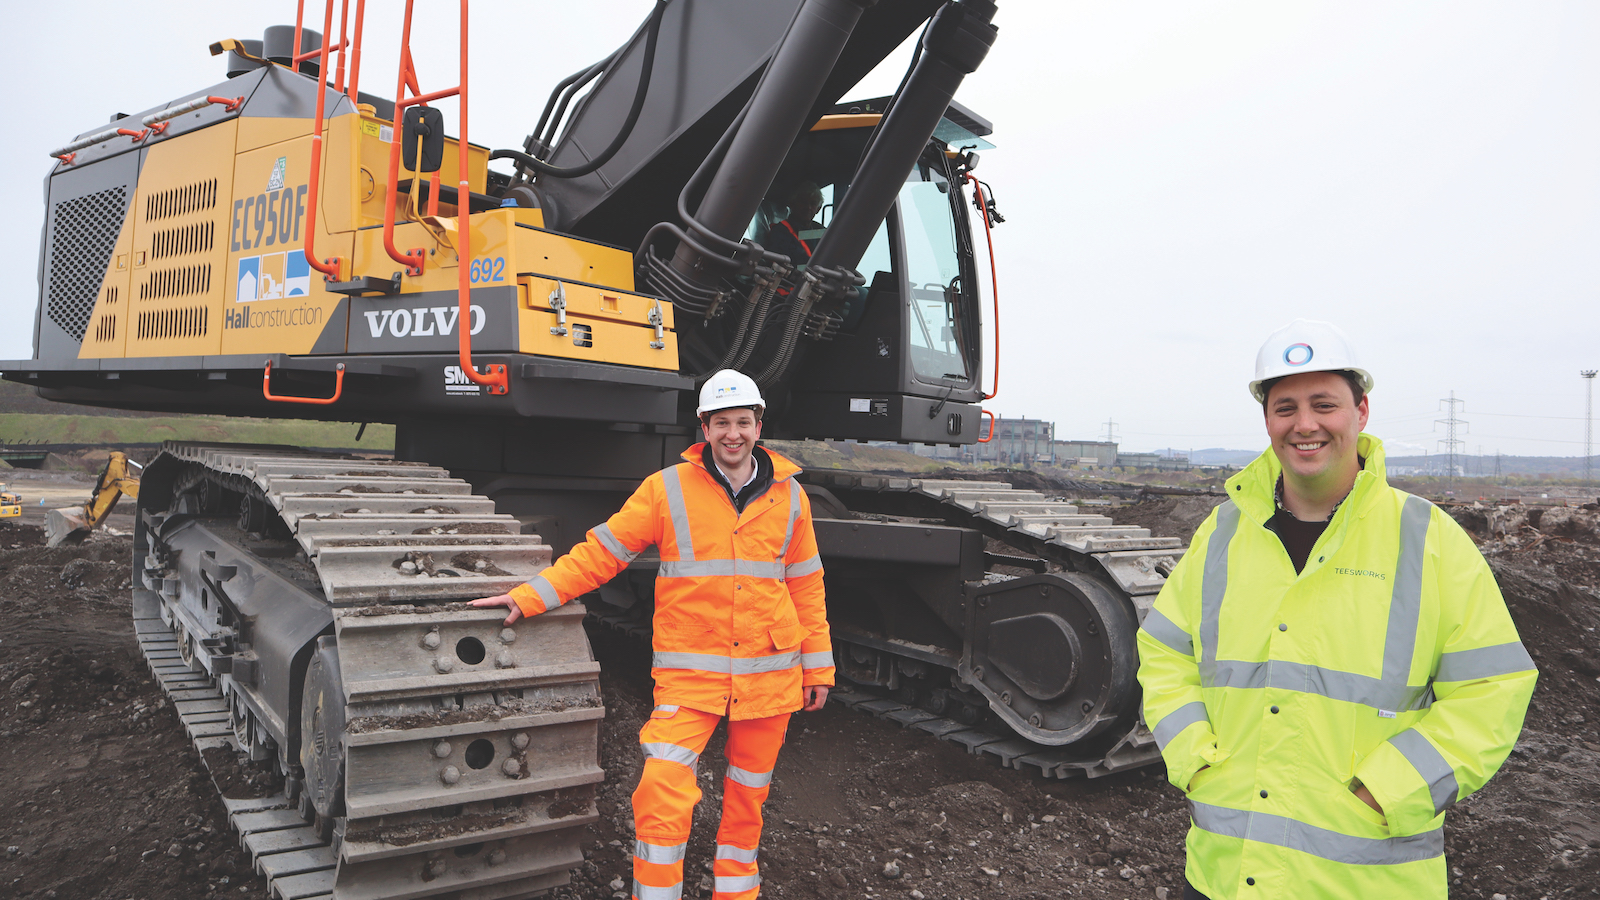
(1178, 180)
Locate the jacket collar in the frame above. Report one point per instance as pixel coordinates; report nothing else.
(1253, 487)
(782, 469)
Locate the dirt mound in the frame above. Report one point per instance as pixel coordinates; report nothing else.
(1168, 517)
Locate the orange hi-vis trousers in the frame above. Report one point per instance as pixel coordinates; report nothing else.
(663, 805)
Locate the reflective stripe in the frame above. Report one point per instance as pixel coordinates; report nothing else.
(794, 513)
(1331, 683)
(602, 533)
(709, 568)
(667, 708)
(1167, 632)
(820, 660)
(750, 780)
(803, 567)
(658, 854)
(1280, 831)
(1177, 720)
(737, 854)
(678, 510)
(1405, 607)
(683, 756)
(726, 665)
(1390, 692)
(546, 591)
(1484, 662)
(651, 892)
(1213, 585)
(1431, 765)
(726, 884)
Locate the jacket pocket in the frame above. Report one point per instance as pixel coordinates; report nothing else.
(1366, 813)
(1200, 779)
(785, 637)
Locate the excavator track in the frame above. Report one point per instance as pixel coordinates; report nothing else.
(440, 753)
(1055, 536)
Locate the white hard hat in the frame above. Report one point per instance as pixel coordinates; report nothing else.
(728, 389)
(1305, 345)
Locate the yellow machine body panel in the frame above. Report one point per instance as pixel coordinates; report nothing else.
(275, 301)
(168, 300)
(597, 324)
(212, 259)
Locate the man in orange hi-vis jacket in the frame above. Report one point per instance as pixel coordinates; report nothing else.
(740, 630)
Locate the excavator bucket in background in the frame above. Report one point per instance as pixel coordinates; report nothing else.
(74, 523)
(66, 526)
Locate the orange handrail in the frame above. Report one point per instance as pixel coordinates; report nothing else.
(355, 51)
(994, 281)
(338, 388)
(993, 419)
(407, 78)
(496, 379)
(330, 268)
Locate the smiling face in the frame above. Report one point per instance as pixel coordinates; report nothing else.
(732, 434)
(1314, 420)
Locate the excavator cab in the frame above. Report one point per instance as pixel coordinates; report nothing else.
(910, 334)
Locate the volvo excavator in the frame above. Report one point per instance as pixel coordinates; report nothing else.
(290, 241)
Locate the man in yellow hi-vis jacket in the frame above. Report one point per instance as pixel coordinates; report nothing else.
(1331, 665)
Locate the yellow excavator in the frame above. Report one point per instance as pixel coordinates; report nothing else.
(10, 505)
(74, 523)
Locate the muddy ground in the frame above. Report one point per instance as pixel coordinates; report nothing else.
(104, 798)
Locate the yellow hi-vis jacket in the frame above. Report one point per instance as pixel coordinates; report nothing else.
(1390, 660)
(740, 622)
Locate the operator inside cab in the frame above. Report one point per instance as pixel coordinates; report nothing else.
(796, 235)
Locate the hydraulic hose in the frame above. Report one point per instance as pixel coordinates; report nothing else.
(648, 64)
(563, 94)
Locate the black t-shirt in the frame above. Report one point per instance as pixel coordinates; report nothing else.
(1298, 537)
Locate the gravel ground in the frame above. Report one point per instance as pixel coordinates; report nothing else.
(104, 798)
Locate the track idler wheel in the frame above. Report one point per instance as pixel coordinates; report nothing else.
(322, 718)
(1054, 655)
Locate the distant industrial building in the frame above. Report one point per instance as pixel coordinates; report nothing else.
(1021, 443)
(1098, 454)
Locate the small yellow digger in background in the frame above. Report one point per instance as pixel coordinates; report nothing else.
(10, 505)
(73, 524)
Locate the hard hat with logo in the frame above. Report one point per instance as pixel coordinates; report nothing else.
(729, 389)
(1305, 345)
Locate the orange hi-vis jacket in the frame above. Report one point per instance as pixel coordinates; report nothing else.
(740, 623)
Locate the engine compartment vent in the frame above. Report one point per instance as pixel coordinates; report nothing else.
(181, 201)
(176, 282)
(184, 322)
(83, 233)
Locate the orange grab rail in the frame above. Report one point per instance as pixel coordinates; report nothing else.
(992, 419)
(994, 281)
(338, 388)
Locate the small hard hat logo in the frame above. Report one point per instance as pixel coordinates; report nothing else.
(1297, 354)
